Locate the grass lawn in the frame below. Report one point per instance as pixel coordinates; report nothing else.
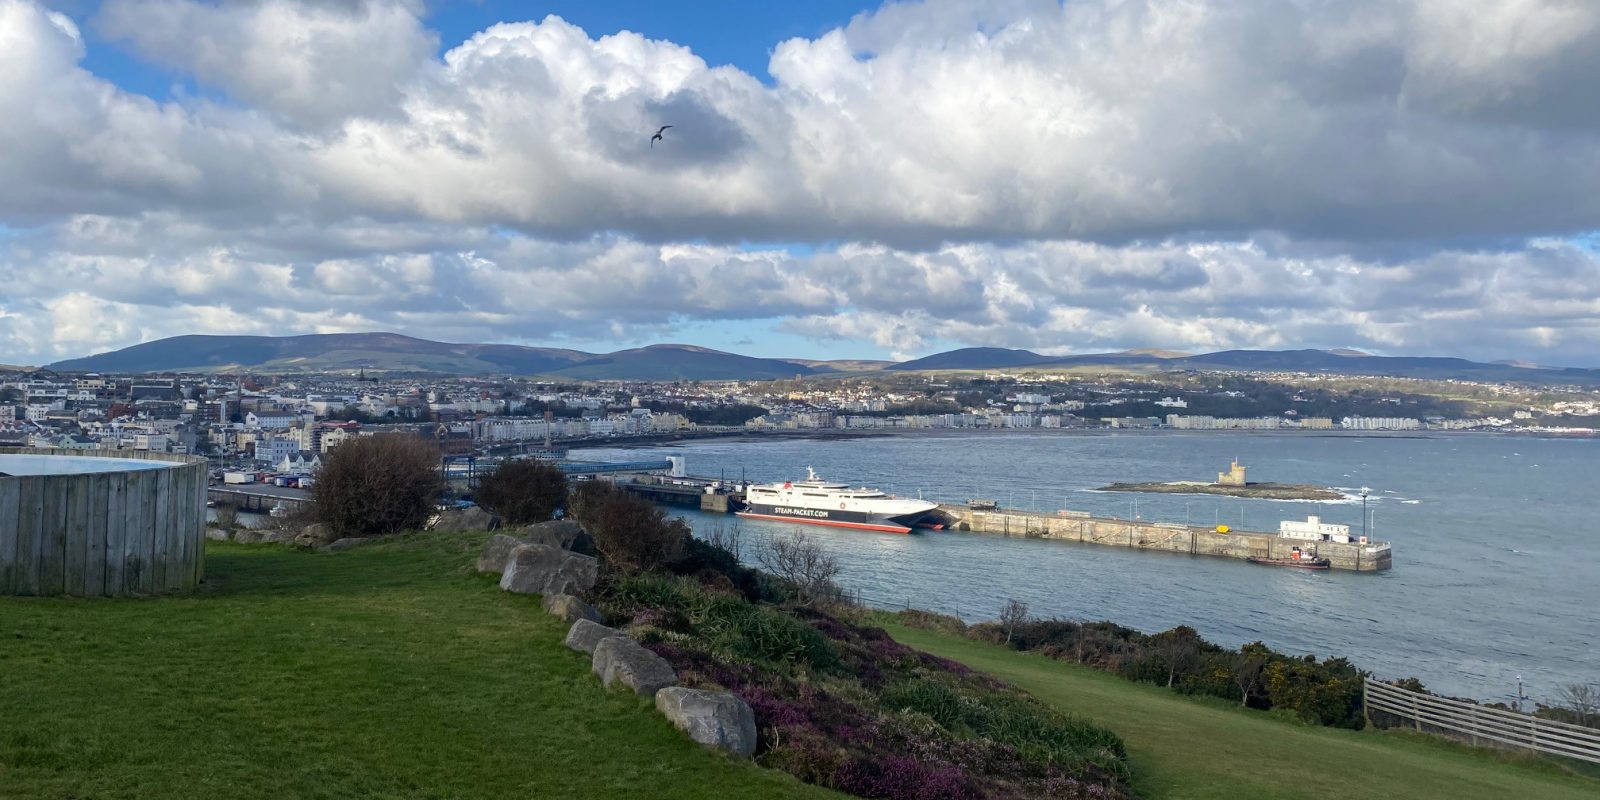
(387, 671)
(1183, 748)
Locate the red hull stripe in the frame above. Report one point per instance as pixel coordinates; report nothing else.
(831, 523)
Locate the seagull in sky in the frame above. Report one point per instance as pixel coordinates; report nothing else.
(657, 137)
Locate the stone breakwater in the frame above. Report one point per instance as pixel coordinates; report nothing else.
(1167, 537)
(1261, 491)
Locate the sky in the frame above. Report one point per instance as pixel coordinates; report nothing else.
(841, 179)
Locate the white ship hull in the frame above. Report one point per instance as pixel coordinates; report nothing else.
(832, 504)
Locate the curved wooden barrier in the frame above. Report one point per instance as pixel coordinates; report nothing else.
(104, 533)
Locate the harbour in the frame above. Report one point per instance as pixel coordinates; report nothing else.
(1495, 552)
(712, 496)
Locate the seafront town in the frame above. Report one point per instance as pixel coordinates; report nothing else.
(286, 422)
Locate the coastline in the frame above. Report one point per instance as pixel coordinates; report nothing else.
(837, 434)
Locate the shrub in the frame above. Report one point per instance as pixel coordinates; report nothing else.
(803, 562)
(728, 625)
(927, 620)
(631, 533)
(227, 516)
(885, 721)
(756, 633)
(375, 485)
(715, 565)
(523, 491)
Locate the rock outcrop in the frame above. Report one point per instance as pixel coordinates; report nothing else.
(497, 553)
(278, 537)
(714, 719)
(565, 534)
(570, 608)
(246, 536)
(467, 519)
(618, 659)
(318, 535)
(219, 534)
(585, 635)
(541, 569)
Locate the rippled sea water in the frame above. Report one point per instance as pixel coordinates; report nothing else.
(1496, 561)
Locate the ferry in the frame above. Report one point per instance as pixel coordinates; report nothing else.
(818, 502)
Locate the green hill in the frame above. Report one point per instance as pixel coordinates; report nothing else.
(1186, 749)
(388, 671)
(392, 352)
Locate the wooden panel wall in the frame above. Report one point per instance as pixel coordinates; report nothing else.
(104, 533)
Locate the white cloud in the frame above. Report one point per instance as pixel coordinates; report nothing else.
(1396, 174)
(68, 292)
(314, 63)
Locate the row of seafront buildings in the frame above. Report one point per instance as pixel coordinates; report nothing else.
(285, 425)
(812, 419)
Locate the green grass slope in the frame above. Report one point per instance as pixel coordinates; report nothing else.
(1182, 748)
(387, 671)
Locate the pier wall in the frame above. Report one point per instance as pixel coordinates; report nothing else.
(1162, 536)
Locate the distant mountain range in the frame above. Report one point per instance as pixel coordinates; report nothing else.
(1346, 362)
(391, 353)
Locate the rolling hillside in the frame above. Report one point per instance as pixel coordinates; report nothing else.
(1344, 362)
(390, 352)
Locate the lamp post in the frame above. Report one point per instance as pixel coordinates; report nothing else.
(1364, 492)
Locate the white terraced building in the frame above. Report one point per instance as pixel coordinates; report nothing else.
(1314, 530)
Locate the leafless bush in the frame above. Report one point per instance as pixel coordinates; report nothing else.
(799, 560)
(523, 491)
(295, 519)
(1583, 701)
(729, 538)
(1247, 670)
(376, 485)
(1178, 648)
(1015, 613)
(631, 533)
(227, 516)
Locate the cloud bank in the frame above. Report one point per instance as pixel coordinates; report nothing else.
(1410, 176)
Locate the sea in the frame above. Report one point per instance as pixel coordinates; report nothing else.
(1496, 576)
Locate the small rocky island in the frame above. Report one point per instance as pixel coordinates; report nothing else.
(1233, 484)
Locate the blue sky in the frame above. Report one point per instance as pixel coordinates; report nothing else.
(723, 32)
(737, 32)
(1400, 176)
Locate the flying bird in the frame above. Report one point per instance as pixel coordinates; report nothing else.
(657, 137)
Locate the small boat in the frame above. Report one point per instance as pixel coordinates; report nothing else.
(1298, 563)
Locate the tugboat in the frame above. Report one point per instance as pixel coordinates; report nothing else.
(1296, 560)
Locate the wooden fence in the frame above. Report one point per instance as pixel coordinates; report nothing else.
(1481, 725)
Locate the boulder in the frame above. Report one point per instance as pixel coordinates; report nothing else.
(570, 608)
(246, 536)
(618, 659)
(541, 569)
(564, 533)
(278, 537)
(318, 535)
(219, 534)
(714, 719)
(497, 552)
(586, 634)
(467, 519)
(341, 545)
